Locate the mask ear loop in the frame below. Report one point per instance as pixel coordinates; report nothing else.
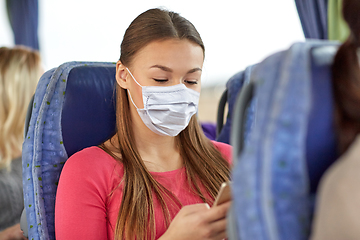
(133, 78)
(129, 91)
(132, 100)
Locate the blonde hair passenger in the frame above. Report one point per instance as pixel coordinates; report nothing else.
(20, 70)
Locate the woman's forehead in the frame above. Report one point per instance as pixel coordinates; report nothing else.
(171, 53)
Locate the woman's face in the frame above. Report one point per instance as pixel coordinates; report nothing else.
(163, 63)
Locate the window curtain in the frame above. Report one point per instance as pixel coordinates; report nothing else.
(313, 17)
(338, 28)
(24, 17)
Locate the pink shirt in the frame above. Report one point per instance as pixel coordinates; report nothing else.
(85, 208)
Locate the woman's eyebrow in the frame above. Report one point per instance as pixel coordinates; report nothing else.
(167, 69)
(194, 70)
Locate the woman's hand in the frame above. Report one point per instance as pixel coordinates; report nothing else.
(199, 222)
(12, 233)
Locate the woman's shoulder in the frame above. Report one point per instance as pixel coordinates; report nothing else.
(225, 149)
(91, 159)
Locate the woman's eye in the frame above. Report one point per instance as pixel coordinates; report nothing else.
(160, 80)
(191, 81)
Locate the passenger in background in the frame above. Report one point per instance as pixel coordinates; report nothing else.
(338, 206)
(20, 70)
(156, 177)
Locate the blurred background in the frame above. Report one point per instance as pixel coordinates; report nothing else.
(235, 33)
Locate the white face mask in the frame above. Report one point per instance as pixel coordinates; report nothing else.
(167, 110)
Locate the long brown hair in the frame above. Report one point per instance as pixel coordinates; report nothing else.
(346, 79)
(203, 162)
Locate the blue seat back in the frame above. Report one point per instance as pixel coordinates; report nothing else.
(233, 87)
(290, 146)
(74, 108)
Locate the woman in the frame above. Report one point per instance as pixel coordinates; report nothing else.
(156, 177)
(337, 212)
(20, 70)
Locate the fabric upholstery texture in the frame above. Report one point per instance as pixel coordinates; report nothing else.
(44, 153)
(271, 183)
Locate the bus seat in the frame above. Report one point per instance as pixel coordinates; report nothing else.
(65, 100)
(73, 108)
(291, 144)
(229, 96)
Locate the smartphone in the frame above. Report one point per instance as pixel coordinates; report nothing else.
(224, 194)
